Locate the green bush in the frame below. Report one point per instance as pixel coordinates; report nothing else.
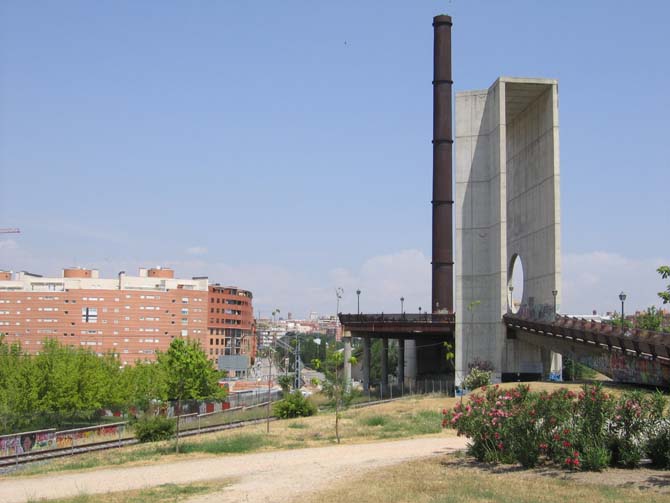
(477, 378)
(154, 428)
(294, 405)
(594, 457)
(580, 431)
(658, 447)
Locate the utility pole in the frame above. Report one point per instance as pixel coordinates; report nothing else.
(269, 389)
(296, 384)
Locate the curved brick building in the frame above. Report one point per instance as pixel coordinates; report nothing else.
(231, 326)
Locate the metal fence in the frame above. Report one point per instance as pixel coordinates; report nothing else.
(396, 389)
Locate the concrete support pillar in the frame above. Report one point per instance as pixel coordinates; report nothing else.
(545, 356)
(366, 363)
(347, 360)
(410, 359)
(401, 361)
(385, 365)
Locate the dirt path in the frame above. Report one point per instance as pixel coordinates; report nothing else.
(263, 477)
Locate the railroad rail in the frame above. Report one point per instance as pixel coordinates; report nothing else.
(31, 457)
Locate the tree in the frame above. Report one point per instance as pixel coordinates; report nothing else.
(651, 319)
(664, 271)
(285, 382)
(334, 385)
(188, 375)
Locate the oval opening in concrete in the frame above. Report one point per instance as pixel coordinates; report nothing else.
(515, 285)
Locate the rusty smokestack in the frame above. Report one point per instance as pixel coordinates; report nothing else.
(443, 244)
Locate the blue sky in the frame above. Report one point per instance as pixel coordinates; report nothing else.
(285, 146)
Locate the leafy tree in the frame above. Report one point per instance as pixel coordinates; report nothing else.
(334, 385)
(188, 375)
(664, 271)
(651, 319)
(616, 321)
(285, 382)
(142, 385)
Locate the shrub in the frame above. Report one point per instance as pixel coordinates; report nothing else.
(477, 378)
(636, 416)
(658, 447)
(154, 428)
(587, 431)
(294, 405)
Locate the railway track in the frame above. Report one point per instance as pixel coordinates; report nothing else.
(32, 457)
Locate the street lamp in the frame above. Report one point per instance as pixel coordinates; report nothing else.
(338, 293)
(358, 301)
(554, 293)
(419, 309)
(622, 298)
(402, 305)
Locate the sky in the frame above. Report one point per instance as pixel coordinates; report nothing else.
(284, 147)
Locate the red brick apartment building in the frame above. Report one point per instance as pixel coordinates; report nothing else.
(232, 330)
(130, 316)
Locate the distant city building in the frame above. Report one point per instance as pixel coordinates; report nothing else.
(132, 317)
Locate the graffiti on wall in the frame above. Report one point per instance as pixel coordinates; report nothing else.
(27, 442)
(626, 369)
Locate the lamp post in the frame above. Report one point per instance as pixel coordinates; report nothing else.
(338, 293)
(419, 309)
(511, 300)
(554, 293)
(358, 301)
(622, 298)
(402, 305)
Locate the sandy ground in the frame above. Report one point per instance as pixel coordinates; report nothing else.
(263, 477)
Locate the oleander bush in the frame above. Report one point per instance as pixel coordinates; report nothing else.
(588, 430)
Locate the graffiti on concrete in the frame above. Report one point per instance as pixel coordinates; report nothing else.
(626, 369)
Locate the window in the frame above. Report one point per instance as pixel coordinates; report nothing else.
(184, 300)
(89, 314)
(184, 310)
(184, 333)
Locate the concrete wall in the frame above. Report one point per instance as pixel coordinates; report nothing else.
(507, 204)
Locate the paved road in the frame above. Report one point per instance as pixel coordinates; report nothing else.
(276, 476)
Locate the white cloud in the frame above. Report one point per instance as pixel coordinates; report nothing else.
(196, 250)
(593, 281)
(8, 244)
(382, 280)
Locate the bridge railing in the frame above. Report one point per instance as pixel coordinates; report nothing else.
(642, 343)
(398, 318)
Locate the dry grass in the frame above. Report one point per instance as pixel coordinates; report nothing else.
(405, 418)
(159, 494)
(434, 481)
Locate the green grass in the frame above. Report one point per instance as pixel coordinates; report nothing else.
(423, 422)
(227, 445)
(297, 425)
(160, 494)
(377, 420)
(223, 445)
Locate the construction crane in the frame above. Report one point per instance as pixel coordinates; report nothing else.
(10, 230)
